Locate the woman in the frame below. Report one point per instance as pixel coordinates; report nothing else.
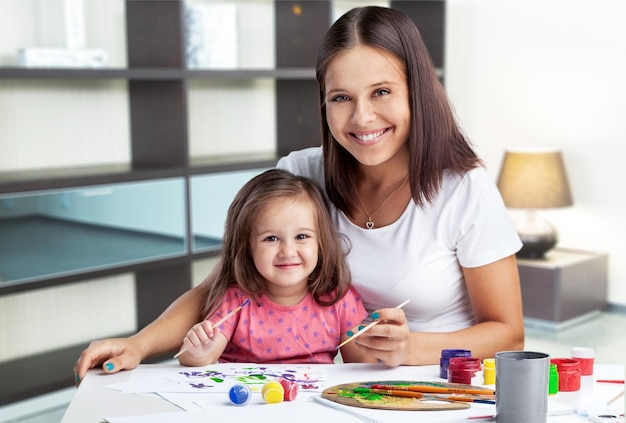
(424, 220)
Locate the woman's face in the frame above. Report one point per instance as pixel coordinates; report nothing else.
(367, 105)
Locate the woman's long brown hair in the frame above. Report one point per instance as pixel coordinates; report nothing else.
(435, 141)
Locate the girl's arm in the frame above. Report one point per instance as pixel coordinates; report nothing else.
(495, 293)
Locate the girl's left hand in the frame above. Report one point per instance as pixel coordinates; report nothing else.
(389, 340)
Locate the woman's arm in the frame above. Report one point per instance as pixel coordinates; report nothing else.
(495, 293)
(163, 335)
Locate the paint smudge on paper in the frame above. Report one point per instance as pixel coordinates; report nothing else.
(253, 376)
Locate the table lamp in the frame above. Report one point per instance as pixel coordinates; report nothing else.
(533, 179)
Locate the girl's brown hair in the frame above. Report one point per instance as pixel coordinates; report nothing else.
(236, 266)
(435, 141)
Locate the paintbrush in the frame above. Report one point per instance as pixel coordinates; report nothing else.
(219, 322)
(366, 328)
(421, 395)
(615, 398)
(438, 389)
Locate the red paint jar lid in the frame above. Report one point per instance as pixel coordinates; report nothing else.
(566, 363)
(467, 363)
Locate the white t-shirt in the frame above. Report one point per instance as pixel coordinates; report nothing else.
(419, 257)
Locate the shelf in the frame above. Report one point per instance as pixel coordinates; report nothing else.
(37, 247)
(59, 178)
(100, 73)
(288, 73)
(207, 130)
(153, 73)
(229, 163)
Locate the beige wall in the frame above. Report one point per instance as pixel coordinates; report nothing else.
(550, 73)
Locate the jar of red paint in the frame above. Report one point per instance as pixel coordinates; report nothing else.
(446, 355)
(465, 370)
(586, 356)
(569, 373)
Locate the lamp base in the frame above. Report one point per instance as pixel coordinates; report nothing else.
(538, 236)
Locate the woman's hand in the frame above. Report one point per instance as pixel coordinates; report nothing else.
(113, 355)
(389, 340)
(162, 336)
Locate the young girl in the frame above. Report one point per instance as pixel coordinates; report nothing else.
(282, 252)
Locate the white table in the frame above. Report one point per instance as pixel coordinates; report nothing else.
(95, 400)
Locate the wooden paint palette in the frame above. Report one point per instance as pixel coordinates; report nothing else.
(344, 394)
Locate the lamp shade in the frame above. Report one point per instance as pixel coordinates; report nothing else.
(534, 179)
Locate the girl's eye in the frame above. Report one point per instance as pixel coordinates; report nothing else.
(271, 238)
(302, 236)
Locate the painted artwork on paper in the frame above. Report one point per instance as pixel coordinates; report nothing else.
(220, 377)
(253, 376)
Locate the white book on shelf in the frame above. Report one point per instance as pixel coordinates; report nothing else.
(211, 36)
(62, 23)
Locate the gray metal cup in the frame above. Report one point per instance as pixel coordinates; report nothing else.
(522, 387)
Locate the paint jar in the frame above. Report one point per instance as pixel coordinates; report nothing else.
(553, 380)
(291, 388)
(489, 371)
(446, 355)
(569, 374)
(585, 356)
(465, 370)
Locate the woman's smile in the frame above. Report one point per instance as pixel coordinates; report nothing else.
(368, 138)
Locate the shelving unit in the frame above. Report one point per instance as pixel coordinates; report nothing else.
(158, 86)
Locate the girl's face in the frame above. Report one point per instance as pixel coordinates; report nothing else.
(285, 248)
(367, 105)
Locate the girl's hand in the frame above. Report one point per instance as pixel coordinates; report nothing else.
(200, 339)
(388, 341)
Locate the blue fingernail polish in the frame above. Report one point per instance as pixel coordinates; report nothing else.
(349, 333)
(77, 379)
(375, 315)
(109, 366)
(361, 327)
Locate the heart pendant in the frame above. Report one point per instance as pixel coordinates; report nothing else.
(369, 224)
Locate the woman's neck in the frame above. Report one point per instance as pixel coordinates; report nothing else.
(384, 174)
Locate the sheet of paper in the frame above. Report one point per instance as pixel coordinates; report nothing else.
(185, 401)
(178, 417)
(309, 411)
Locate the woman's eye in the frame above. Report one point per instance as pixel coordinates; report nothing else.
(339, 98)
(381, 92)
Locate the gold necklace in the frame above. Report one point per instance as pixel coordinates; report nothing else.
(370, 224)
